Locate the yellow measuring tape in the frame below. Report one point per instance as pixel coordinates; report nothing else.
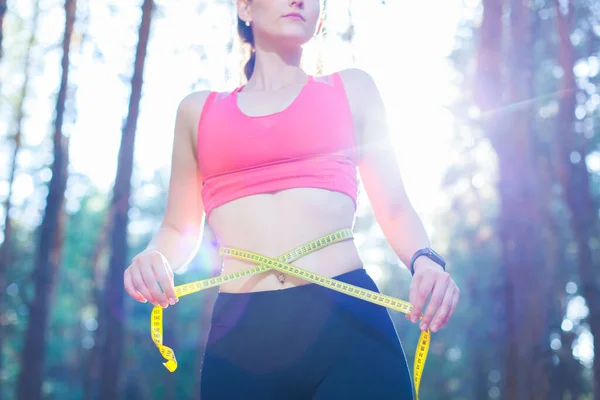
(282, 264)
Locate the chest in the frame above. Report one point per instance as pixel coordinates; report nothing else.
(315, 124)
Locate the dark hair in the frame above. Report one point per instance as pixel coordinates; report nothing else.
(247, 36)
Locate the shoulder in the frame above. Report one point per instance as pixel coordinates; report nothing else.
(358, 81)
(356, 78)
(188, 116)
(191, 106)
(360, 87)
(190, 109)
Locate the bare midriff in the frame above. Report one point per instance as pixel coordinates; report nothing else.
(272, 224)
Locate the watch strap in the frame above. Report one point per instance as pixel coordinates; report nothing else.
(429, 253)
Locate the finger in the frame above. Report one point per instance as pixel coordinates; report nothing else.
(140, 286)
(454, 304)
(152, 284)
(130, 289)
(412, 295)
(161, 273)
(439, 290)
(422, 293)
(160, 259)
(414, 285)
(444, 310)
(171, 274)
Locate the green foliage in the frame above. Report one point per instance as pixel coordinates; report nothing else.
(467, 357)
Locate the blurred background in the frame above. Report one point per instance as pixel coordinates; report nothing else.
(495, 110)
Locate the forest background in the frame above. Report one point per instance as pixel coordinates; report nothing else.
(495, 111)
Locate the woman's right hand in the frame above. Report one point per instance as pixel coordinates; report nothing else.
(142, 278)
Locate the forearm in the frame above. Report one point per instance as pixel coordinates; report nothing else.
(179, 248)
(406, 234)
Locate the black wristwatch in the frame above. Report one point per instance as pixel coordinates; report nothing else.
(429, 253)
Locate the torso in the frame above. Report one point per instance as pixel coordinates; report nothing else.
(272, 224)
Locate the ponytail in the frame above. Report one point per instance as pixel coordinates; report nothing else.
(249, 67)
(247, 36)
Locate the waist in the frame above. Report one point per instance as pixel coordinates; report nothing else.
(334, 260)
(272, 225)
(274, 238)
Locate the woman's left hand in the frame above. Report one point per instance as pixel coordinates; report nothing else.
(431, 279)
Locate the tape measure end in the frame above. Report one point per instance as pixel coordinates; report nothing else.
(170, 365)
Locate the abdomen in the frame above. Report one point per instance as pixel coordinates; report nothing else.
(273, 224)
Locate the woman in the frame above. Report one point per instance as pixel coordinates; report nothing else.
(273, 165)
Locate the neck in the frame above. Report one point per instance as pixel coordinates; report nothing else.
(274, 70)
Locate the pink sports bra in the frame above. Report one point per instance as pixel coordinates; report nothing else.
(309, 144)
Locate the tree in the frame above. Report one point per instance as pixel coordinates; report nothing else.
(48, 253)
(5, 246)
(510, 130)
(3, 9)
(574, 178)
(91, 373)
(112, 312)
(522, 216)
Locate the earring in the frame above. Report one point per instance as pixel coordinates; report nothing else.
(247, 23)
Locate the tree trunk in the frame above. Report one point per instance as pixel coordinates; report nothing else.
(510, 132)
(91, 374)
(113, 306)
(3, 9)
(522, 216)
(29, 383)
(488, 97)
(5, 247)
(558, 275)
(575, 181)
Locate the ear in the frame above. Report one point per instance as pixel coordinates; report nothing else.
(243, 9)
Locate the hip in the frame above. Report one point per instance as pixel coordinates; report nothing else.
(299, 337)
(301, 308)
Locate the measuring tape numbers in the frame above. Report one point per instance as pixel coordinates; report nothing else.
(282, 264)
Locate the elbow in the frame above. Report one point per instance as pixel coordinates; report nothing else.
(395, 210)
(189, 234)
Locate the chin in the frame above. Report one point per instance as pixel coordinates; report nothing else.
(292, 34)
(294, 38)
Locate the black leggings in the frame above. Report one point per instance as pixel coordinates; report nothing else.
(306, 342)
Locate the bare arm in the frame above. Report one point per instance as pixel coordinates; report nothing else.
(379, 170)
(180, 233)
(178, 238)
(398, 219)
